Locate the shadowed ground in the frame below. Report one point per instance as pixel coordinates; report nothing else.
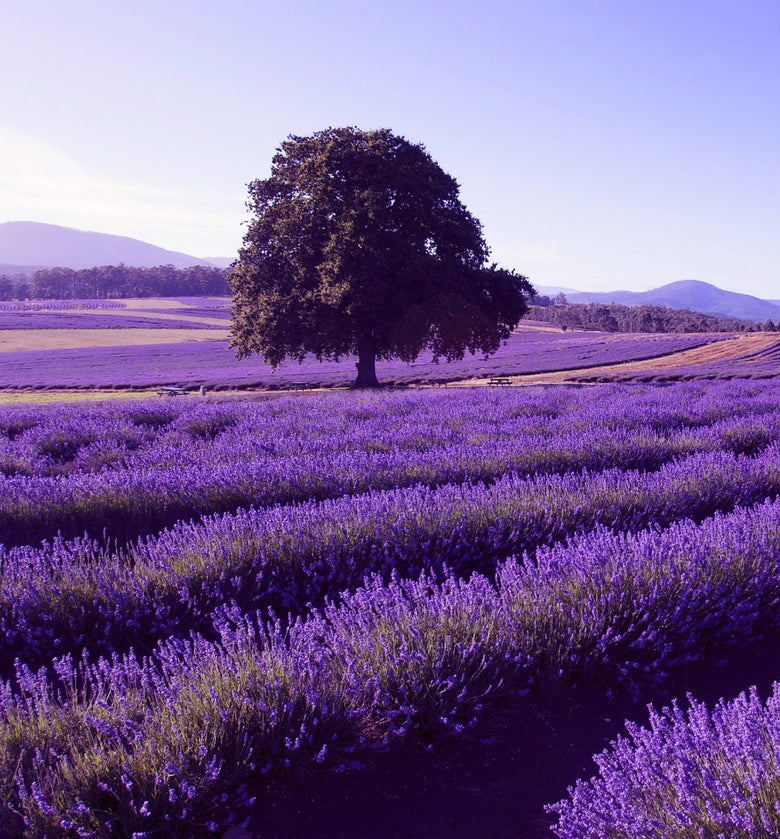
(496, 784)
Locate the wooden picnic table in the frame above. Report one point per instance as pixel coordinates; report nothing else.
(499, 381)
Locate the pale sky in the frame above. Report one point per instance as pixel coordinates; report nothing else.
(602, 144)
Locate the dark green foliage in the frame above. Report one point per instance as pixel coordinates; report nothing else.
(360, 245)
(117, 281)
(616, 317)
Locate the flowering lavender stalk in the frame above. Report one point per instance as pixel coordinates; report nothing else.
(130, 470)
(70, 595)
(690, 773)
(125, 745)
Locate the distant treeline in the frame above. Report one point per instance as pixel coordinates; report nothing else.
(115, 281)
(118, 281)
(614, 317)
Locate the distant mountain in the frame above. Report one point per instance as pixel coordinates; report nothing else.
(15, 270)
(687, 294)
(221, 261)
(552, 290)
(34, 245)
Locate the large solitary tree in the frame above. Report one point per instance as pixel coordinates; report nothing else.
(359, 245)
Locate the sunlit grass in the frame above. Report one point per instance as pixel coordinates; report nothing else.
(43, 397)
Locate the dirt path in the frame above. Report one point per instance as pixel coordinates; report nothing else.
(16, 340)
(145, 313)
(495, 784)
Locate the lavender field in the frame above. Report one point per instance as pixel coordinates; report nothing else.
(197, 313)
(213, 364)
(198, 597)
(79, 320)
(762, 362)
(183, 358)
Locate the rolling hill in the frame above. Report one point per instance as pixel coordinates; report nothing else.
(33, 245)
(26, 246)
(687, 294)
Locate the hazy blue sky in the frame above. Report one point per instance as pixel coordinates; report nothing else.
(601, 144)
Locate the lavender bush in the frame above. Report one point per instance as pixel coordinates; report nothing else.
(691, 772)
(426, 553)
(124, 746)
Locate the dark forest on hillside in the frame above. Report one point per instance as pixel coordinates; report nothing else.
(119, 281)
(614, 317)
(115, 281)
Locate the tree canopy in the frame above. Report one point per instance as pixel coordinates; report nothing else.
(359, 244)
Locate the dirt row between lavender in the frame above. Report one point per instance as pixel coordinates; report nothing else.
(495, 783)
(732, 348)
(22, 340)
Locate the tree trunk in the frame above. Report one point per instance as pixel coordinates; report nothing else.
(366, 364)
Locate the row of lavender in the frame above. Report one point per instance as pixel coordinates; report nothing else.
(206, 304)
(763, 364)
(81, 320)
(68, 596)
(126, 470)
(132, 747)
(92, 750)
(213, 364)
(59, 305)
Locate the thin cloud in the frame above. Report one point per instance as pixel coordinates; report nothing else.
(41, 183)
(524, 252)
